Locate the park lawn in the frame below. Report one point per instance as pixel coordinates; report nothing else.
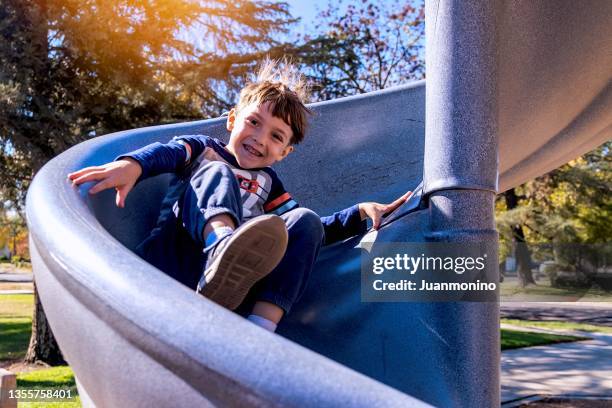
(543, 292)
(512, 339)
(15, 337)
(16, 305)
(52, 378)
(558, 325)
(15, 325)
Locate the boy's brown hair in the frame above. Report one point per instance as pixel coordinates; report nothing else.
(285, 88)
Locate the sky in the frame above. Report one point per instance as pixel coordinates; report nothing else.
(306, 9)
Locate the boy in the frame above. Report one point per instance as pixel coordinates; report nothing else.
(201, 238)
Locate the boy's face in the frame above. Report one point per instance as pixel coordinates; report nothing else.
(258, 139)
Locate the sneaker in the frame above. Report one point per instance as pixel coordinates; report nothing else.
(242, 258)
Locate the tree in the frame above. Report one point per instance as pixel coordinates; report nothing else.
(74, 69)
(521, 251)
(571, 204)
(364, 47)
(13, 233)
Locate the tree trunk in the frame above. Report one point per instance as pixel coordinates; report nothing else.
(14, 253)
(43, 346)
(523, 256)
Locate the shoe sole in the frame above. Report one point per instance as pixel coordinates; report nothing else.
(251, 253)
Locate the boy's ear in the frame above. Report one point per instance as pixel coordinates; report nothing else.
(286, 151)
(231, 119)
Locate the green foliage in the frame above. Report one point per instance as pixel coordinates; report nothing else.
(73, 69)
(571, 204)
(566, 216)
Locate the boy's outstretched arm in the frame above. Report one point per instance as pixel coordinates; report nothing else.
(351, 221)
(376, 211)
(121, 175)
(151, 160)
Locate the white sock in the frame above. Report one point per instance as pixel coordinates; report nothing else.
(263, 322)
(217, 233)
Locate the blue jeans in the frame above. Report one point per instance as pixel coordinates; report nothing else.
(177, 245)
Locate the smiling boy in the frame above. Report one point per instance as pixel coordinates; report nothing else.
(227, 226)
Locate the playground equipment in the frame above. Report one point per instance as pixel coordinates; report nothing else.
(514, 90)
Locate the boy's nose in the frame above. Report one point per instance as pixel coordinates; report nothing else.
(257, 138)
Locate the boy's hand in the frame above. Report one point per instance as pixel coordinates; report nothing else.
(121, 174)
(376, 211)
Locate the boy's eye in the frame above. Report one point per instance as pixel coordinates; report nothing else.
(253, 122)
(277, 137)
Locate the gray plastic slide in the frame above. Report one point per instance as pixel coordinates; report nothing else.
(514, 90)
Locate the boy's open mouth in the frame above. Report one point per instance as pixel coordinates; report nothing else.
(252, 151)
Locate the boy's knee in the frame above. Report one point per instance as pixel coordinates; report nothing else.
(304, 221)
(214, 173)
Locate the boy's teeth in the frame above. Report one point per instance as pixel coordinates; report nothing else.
(251, 150)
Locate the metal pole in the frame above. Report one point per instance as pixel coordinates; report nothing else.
(460, 180)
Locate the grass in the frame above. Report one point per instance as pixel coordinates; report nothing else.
(16, 306)
(542, 291)
(558, 325)
(511, 339)
(15, 326)
(15, 337)
(55, 378)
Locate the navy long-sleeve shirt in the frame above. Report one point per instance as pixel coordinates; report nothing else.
(261, 189)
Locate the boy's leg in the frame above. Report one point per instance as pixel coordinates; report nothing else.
(276, 293)
(218, 222)
(170, 249)
(176, 244)
(211, 200)
(210, 210)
